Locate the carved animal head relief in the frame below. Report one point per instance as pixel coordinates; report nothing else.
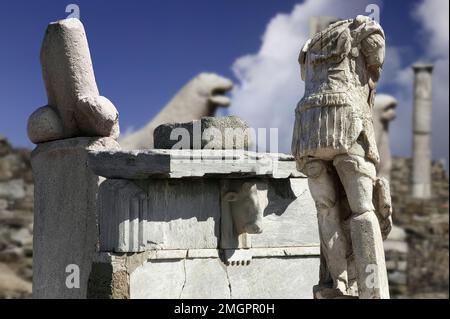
(247, 204)
(243, 206)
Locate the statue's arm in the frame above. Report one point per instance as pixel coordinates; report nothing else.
(302, 59)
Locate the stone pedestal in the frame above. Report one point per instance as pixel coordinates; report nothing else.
(203, 224)
(421, 177)
(65, 231)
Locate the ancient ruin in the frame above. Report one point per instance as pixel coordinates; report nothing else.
(200, 97)
(229, 132)
(383, 113)
(421, 174)
(334, 145)
(207, 218)
(75, 121)
(202, 223)
(222, 213)
(75, 107)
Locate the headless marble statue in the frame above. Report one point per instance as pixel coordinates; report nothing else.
(334, 145)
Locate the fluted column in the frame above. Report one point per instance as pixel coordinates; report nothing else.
(421, 173)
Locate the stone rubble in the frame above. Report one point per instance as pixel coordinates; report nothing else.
(16, 221)
(418, 261)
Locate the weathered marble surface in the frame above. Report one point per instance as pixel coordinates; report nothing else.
(208, 279)
(290, 217)
(158, 214)
(422, 127)
(75, 107)
(274, 273)
(203, 228)
(166, 280)
(65, 230)
(229, 132)
(190, 213)
(144, 164)
(334, 145)
(200, 97)
(275, 278)
(177, 244)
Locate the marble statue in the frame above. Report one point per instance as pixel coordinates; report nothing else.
(334, 145)
(200, 97)
(422, 127)
(76, 121)
(383, 113)
(75, 107)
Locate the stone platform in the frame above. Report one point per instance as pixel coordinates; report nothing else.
(203, 224)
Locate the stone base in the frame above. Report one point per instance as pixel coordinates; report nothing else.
(65, 231)
(190, 274)
(203, 224)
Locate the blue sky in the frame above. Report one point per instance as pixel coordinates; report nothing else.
(144, 51)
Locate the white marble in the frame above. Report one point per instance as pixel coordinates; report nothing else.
(422, 126)
(144, 164)
(64, 230)
(334, 144)
(75, 107)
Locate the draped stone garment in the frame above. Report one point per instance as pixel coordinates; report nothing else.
(340, 66)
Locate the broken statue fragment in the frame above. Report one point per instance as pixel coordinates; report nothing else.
(75, 107)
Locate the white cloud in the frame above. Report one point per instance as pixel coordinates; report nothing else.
(434, 17)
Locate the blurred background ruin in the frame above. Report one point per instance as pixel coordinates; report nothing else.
(150, 56)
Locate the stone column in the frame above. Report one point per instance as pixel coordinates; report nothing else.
(65, 231)
(421, 176)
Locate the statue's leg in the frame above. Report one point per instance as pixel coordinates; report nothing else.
(357, 176)
(334, 245)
